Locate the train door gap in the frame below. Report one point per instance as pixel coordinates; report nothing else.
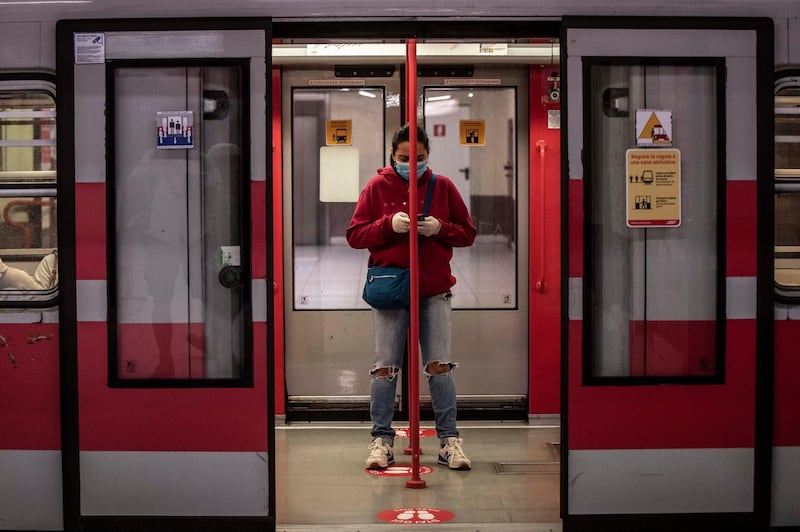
(328, 332)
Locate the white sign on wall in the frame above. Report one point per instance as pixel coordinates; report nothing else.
(90, 48)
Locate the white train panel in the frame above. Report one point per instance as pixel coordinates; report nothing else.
(31, 488)
(174, 483)
(644, 481)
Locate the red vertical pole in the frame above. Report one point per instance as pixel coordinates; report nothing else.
(413, 250)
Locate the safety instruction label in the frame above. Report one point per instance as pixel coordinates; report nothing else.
(472, 132)
(653, 185)
(654, 127)
(338, 132)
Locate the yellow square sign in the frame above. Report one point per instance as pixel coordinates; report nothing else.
(472, 132)
(338, 132)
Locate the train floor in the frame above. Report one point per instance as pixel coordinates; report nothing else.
(513, 485)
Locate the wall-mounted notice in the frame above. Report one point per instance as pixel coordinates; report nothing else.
(653, 185)
(90, 48)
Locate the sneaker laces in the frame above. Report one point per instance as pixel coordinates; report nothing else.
(378, 448)
(455, 449)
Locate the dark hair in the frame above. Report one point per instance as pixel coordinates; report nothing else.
(402, 134)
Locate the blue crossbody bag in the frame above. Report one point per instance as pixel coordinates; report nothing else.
(388, 287)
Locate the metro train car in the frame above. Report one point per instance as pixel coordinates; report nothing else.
(183, 340)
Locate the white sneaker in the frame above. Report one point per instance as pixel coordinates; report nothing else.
(380, 456)
(452, 454)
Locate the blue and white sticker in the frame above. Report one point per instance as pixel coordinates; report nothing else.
(174, 130)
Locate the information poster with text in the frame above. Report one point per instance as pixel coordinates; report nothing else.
(653, 185)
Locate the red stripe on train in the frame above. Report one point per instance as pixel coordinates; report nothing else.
(30, 416)
(741, 226)
(663, 348)
(167, 419)
(161, 350)
(787, 392)
(90, 223)
(667, 417)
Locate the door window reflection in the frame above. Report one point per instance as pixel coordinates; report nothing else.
(482, 164)
(179, 272)
(654, 306)
(328, 274)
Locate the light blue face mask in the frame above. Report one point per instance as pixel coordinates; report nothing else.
(403, 169)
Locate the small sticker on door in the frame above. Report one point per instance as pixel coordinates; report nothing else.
(174, 130)
(472, 132)
(230, 256)
(90, 48)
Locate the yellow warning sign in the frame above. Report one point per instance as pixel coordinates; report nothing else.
(338, 132)
(472, 132)
(653, 185)
(654, 127)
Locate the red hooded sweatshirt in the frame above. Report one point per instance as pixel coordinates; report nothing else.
(371, 227)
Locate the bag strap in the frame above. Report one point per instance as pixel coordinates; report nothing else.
(429, 195)
(426, 206)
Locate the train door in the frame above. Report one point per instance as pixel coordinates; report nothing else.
(668, 371)
(325, 332)
(166, 344)
(476, 118)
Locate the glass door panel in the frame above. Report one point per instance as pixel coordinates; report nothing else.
(481, 161)
(645, 283)
(337, 135)
(179, 262)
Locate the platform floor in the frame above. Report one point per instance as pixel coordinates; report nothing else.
(513, 485)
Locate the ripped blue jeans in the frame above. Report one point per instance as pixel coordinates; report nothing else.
(391, 332)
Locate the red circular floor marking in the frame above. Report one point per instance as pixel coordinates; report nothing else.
(423, 433)
(399, 470)
(416, 516)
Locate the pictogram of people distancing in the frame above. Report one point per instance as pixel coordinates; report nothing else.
(416, 516)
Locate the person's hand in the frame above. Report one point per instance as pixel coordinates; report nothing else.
(401, 222)
(429, 226)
